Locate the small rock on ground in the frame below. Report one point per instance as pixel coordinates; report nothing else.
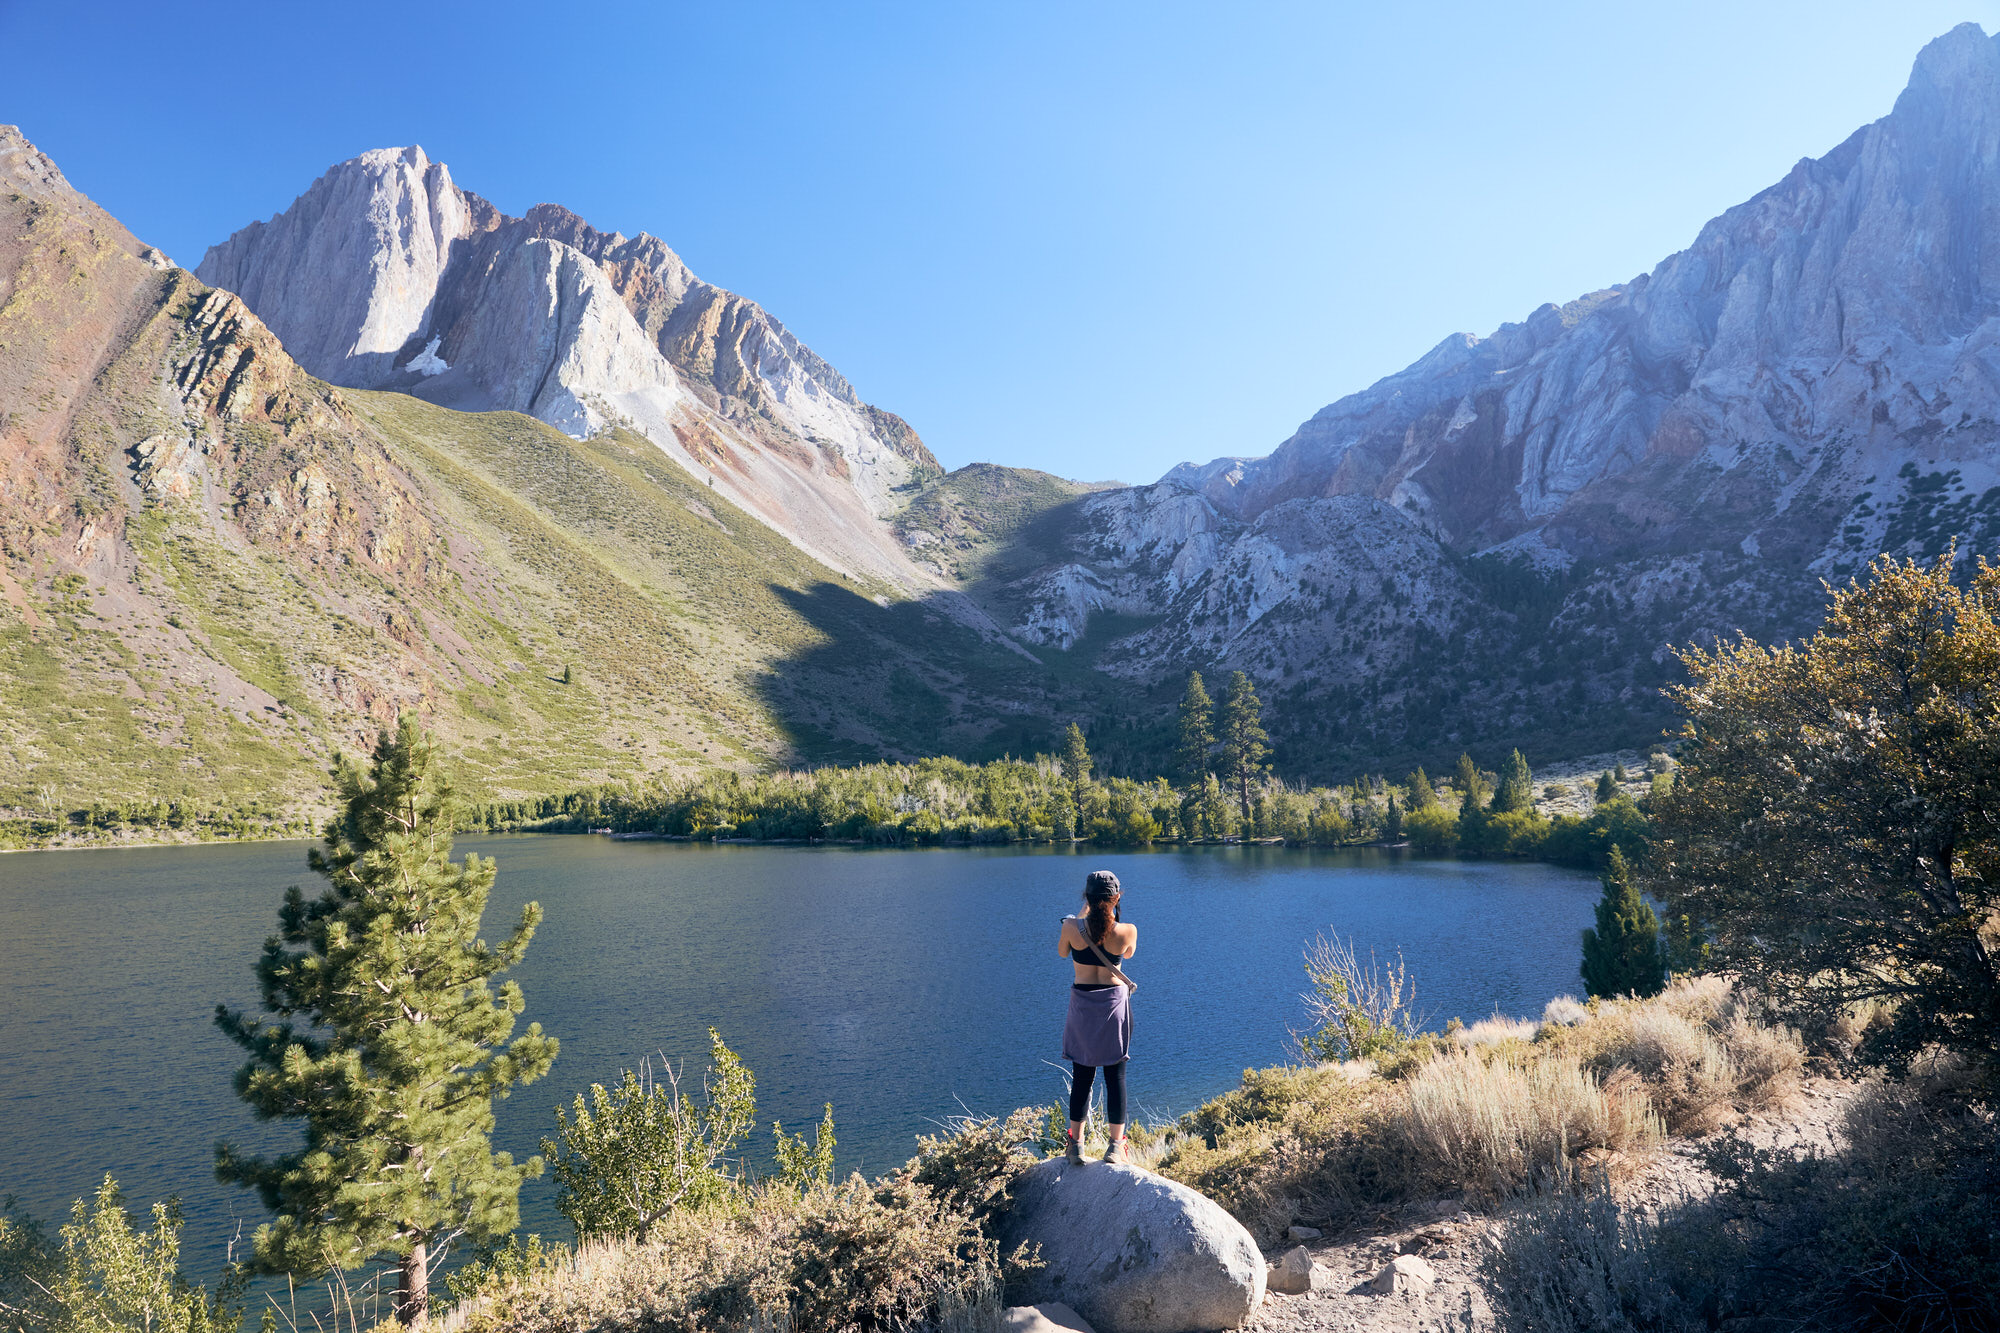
(1292, 1274)
(1049, 1317)
(1405, 1272)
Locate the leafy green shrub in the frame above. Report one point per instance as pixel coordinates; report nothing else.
(493, 1269)
(106, 1276)
(1586, 842)
(1432, 831)
(800, 1167)
(1359, 1011)
(1288, 1145)
(845, 1257)
(630, 1156)
(879, 1257)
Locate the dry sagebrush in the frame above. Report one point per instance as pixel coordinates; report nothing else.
(1490, 1112)
(847, 1257)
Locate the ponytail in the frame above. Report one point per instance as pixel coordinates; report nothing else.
(1101, 916)
(1100, 896)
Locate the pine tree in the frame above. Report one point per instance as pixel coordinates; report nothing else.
(1244, 744)
(1422, 795)
(1517, 787)
(1197, 733)
(385, 1039)
(1607, 786)
(1622, 955)
(1392, 823)
(1076, 759)
(1469, 782)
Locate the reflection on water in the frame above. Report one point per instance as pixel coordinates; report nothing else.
(902, 986)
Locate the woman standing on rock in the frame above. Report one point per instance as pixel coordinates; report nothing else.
(1098, 1032)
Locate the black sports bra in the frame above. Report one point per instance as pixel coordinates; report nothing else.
(1087, 957)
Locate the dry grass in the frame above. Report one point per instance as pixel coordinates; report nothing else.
(1493, 1127)
(1498, 1108)
(1891, 1226)
(1506, 1109)
(1492, 1031)
(1565, 1011)
(1699, 1048)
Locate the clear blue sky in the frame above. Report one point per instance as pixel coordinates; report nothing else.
(1094, 238)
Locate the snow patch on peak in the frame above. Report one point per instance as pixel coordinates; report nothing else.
(428, 362)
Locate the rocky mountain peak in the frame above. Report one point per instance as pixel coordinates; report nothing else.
(28, 170)
(1849, 303)
(1962, 67)
(385, 274)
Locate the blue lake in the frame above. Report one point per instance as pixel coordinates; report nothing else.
(902, 986)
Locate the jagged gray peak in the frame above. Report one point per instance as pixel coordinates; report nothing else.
(385, 274)
(347, 275)
(1844, 316)
(1816, 378)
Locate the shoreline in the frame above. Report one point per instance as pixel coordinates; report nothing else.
(134, 844)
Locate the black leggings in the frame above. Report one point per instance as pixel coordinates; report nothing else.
(1114, 1092)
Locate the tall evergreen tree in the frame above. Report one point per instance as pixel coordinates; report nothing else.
(385, 1039)
(1422, 795)
(1197, 733)
(1622, 956)
(1469, 782)
(1076, 759)
(1244, 744)
(1517, 786)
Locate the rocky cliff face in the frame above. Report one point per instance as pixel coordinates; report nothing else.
(1842, 320)
(386, 275)
(1815, 380)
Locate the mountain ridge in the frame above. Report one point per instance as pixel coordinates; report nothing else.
(387, 275)
(217, 572)
(1491, 548)
(1815, 379)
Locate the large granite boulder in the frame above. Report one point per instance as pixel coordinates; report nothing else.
(1130, 1251)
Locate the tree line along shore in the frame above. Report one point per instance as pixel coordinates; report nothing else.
(1224, 791)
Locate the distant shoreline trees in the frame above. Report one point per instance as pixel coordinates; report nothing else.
(940, 801)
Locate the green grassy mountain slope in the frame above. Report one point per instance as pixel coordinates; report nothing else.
(216, 571)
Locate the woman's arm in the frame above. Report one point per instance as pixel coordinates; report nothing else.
(1131, 940)
(1063, 946)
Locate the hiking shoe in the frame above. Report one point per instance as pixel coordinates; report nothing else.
(1114, 1153)
(1073, 1154)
